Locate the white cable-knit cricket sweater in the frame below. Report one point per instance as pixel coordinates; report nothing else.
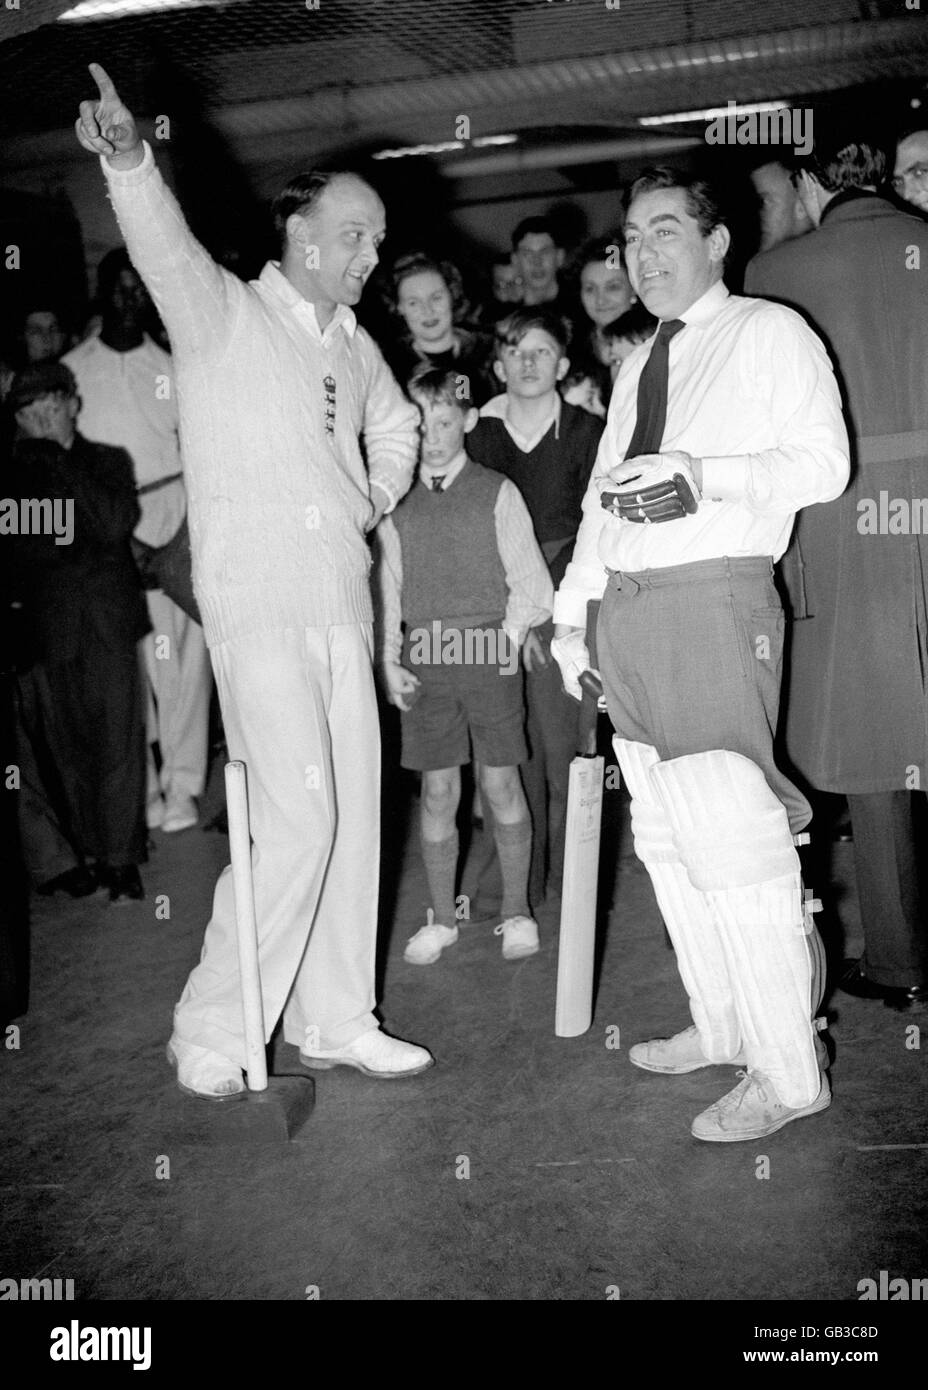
(278, 492)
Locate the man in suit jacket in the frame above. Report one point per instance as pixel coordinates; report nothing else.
(78, 580)
(857, 705)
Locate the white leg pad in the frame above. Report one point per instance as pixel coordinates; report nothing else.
(733, 837)
(689, 921)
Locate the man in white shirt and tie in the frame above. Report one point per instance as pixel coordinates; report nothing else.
(728, 422)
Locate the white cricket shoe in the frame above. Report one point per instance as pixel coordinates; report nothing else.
(427, 944)
(375, 1054)
(201, 1072)
(752, 1111)
(180, 813)
(673, 1056)
(520, 937)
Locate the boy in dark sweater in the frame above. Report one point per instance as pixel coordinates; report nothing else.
(460, 570)
(547, 448)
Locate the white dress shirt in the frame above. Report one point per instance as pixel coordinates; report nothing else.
(130, 399)
(751, 392)
(498, 409)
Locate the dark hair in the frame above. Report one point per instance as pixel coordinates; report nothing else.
(838, 163)
(513, 328)
(635, 323)
(437, 386)
(41, 379)
(301, 195)
(701, 201)
(599, 251)
(503, 258)
(414, 263)
(534, 226)
(43, 306)
(109, 271)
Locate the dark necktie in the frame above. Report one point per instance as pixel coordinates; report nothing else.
(652, 394)
(438, 482)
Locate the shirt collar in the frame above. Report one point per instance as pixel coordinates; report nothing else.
(449, 472)
(498, 409)
(98, 345)
(707, 306)
(280, 287)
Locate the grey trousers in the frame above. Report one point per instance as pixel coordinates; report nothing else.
(691, 660)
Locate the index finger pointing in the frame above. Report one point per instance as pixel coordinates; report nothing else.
(103, 80)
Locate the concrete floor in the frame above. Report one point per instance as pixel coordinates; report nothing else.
(582, 1174)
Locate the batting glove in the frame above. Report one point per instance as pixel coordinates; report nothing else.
(651, 488)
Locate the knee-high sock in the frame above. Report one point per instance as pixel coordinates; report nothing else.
(733, 836)
(700, 956)
(441, 864)
(514, 847)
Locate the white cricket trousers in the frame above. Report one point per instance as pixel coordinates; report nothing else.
(181, 683)
(299, 710)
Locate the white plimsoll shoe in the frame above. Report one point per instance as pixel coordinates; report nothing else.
(375, 1054)
(673, 1056)
(203, 1073)
(180, 813)
(752, 1111)
(427, 944)
(520, 937)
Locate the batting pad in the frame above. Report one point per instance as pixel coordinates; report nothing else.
(733, 837)
(690, 924)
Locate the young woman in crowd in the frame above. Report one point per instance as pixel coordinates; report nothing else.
(429, 307)
(604, 294)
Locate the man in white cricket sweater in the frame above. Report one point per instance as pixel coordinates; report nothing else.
(276, 381)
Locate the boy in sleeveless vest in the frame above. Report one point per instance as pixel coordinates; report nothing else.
(461, 572)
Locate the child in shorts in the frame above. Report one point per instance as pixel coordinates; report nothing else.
(462, 583)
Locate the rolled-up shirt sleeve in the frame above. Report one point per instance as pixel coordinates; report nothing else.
(531, 593)
(811, 460)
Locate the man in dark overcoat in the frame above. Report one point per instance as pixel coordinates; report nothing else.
(71, 512)
(857, 705)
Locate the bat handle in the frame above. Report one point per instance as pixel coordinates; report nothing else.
(592, 688)
(246, 925)
(591, 684)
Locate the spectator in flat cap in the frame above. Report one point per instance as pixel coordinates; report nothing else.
(75, 574)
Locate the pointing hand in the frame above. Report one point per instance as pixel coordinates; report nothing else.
(107, 127)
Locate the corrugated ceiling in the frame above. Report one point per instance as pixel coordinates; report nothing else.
(362, 71)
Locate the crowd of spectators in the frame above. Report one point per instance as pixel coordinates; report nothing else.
(110, 669)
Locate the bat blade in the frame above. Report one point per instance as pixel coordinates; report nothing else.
(573, 1012)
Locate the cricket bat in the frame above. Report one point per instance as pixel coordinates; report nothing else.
(573, 1010)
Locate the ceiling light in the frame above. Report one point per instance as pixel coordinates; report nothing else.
(122, 9)
(712, 112)
(445, 146)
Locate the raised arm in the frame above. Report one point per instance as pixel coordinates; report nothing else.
(193, 294)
